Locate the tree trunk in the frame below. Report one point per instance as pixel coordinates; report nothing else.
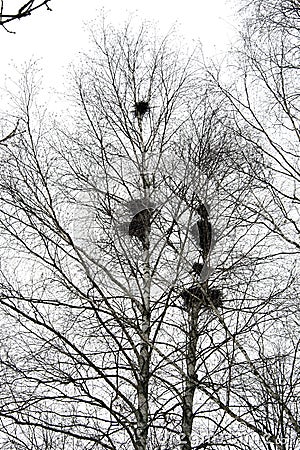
(144, 355)
(191, 375)
(144, 358)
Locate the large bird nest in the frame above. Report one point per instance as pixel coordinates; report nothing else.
(140, 226)
(141, 108)
(196, 294)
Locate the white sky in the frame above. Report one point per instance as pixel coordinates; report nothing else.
(56, 37)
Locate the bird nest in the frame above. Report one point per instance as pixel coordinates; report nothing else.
(196, 294)
(140, 226)
(141, 108)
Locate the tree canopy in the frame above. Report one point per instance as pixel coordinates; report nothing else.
(149, 290)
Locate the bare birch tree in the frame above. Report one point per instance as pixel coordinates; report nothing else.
(130, 274)
(263, 102)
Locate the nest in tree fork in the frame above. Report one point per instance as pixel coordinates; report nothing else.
(140, 225)
(196, 294)
(197, 268)
(141, 108)
(216, 297)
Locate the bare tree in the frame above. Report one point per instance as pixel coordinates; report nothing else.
(263, 102)
(265, 99)
(131, 263)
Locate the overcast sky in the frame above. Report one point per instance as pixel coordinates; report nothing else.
(56, 37)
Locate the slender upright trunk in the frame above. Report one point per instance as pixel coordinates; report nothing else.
(191, 374)
(205, 237)
(144, 355)
(189, 388)
(144, 361)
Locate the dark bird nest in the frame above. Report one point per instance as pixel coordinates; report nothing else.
(202, 232)
(140, 225)
(196, 294)
(216, 297)
(141, 108)
(191, 295)
(197, 268)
